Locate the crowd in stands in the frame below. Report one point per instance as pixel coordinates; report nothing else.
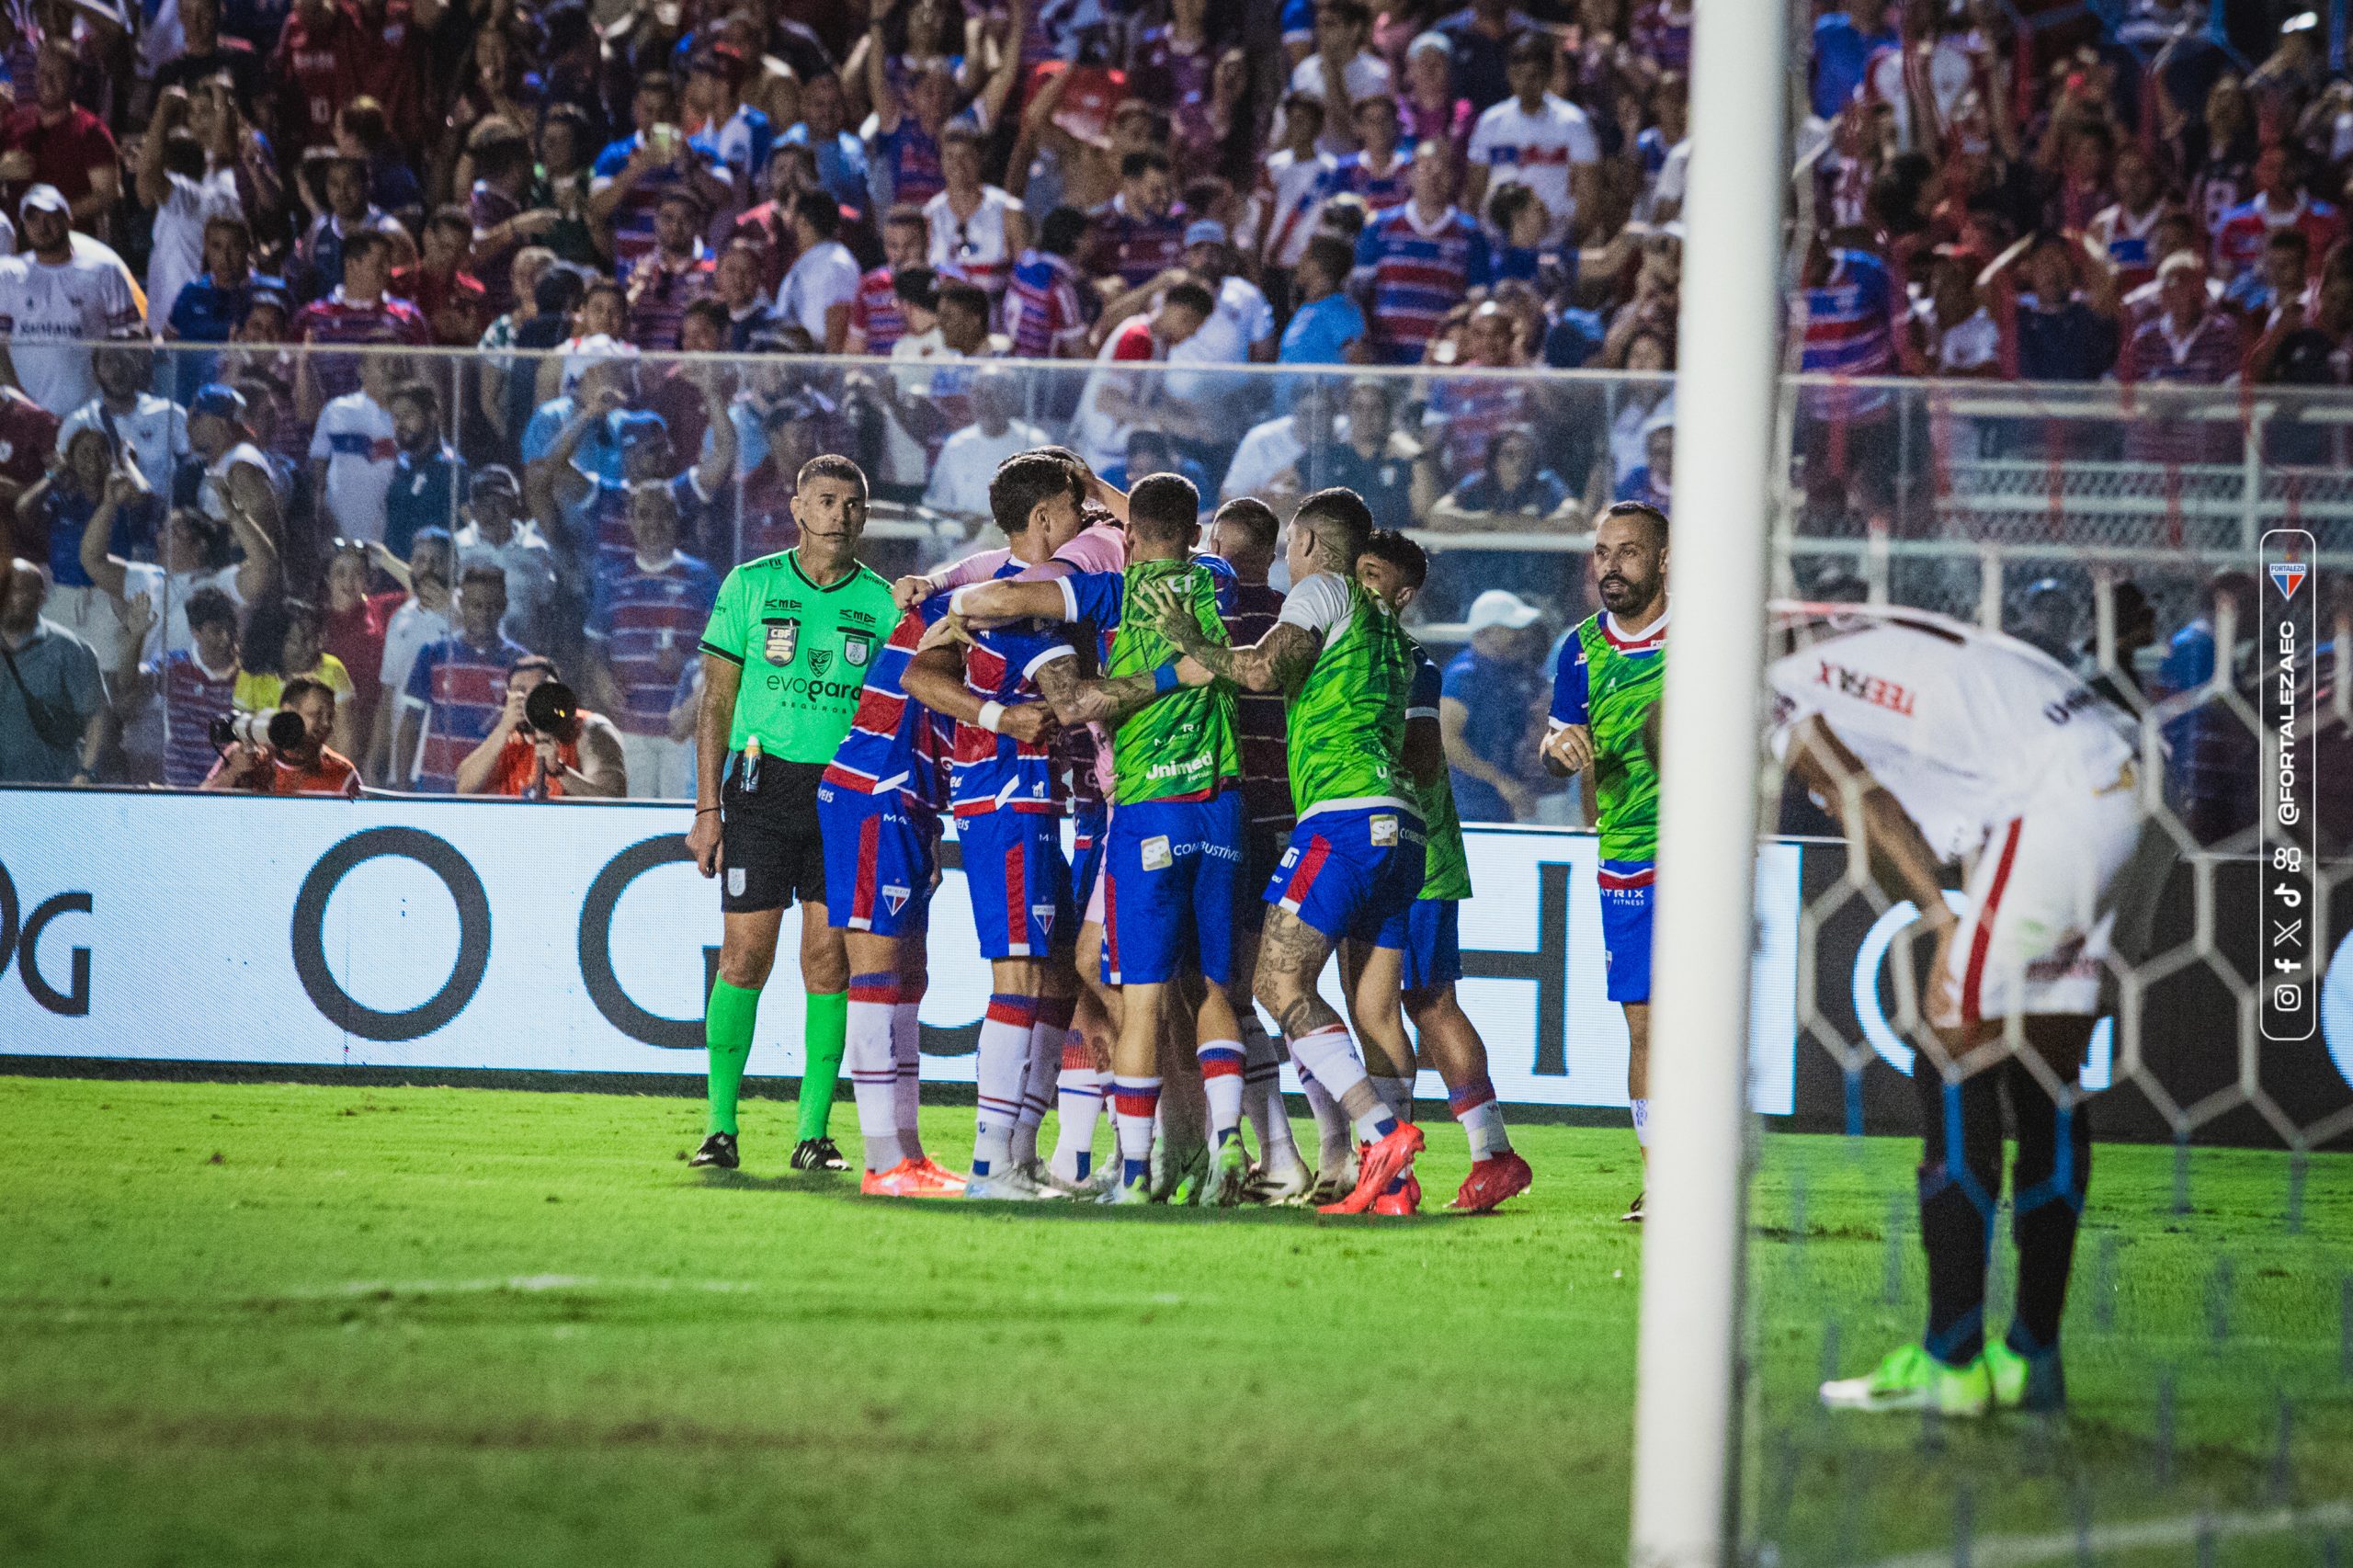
(362, 341)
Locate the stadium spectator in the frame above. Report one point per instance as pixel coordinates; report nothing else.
(428, 477)
(1367, 456)
(195, 557)
(841, 156)
(281, 643)
(151, 431)
(1380, 172)
(1116, 400)
(1341, 73)
(196, 685)
(672, 275)
(310, 767)
(1046, 314)
(1430, 110)
(495, 531)
(1954, 335)
(1652, 480)
(351, 627)
(1491, 712)
(1140, 234)
(2279, 202)
(735, 284)
(2059, 316)
(1326, 328)
(54, 699)
(1420, 259)
(453, 302)
(581, 760)
(2283, 277)
(632, 175)
(58, 294)
(1480, 37)
(969, 458)
(1294, 182)
(186, 185)
(56, 143)
(1542, 141)
(353, 450)
(355, 314)
(876, 323)
(457, 687)
(974, 230)
(238, 490)
(58, 510)
(1845, 41)
(820, 290)
(418, 618)
(334, 190)
(2189, 342)
(651, 606)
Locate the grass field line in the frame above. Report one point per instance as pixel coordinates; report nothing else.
(2178, 1529)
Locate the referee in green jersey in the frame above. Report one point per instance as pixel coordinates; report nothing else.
(784, 659)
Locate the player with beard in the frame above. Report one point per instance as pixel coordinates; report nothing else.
(1609, 680)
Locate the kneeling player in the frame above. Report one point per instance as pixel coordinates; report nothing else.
(1937, 741)
(1355, 862)
(1425, 970)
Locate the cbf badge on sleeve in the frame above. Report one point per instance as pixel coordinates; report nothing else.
(856, 648)
(783, 641)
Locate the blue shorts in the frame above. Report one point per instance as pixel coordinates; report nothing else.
(1352, 873)
(1172, 891)
(1019, 882)
(1626, 926)
(881, 857)
(1433, 944)
(1088, 827)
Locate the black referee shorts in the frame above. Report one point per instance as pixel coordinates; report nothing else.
(771, 853)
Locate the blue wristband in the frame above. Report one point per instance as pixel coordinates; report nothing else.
(1164, 679)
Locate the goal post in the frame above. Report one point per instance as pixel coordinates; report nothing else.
(1727, 471)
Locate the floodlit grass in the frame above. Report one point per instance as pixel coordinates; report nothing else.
(284, 1323)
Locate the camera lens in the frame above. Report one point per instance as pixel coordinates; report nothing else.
(550, 706)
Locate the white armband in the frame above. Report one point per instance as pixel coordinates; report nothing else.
(992, 717)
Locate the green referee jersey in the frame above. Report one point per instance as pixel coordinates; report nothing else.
(805, 649)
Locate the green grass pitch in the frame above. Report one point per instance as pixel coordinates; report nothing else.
(282, 1323)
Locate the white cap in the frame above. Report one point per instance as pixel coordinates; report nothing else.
(1501, 607)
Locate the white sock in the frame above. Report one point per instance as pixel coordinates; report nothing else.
(1482, 1115)
(1331, 1054)
(1038, 1082)
(1333, 1136)
(874, 1076)
(907, 1058)
(1003, 1061)
(1134, 1104)
(1262, 1098)
(1641, 1109)
(1397, 1094)
(1222, 1063)
(1078, 1104)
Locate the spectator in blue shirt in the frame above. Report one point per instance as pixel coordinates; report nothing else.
(1494, 690)
(1844, 42)
(841, 156)
(426, 474)
(1327, 323)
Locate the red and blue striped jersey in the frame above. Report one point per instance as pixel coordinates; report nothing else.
(607, 516)
(913, 156)
(994, 772)
(1258, 715)
(1419, 273)
(641, 616)
(1138, 249)
(895, 742)
(335, 322)
(192, 699)
(1043, 310)
(1848, 332)
(633, 218)
(659, 295)
(874, 312)
(1378, 192)
(1471, 412)
(463, 689)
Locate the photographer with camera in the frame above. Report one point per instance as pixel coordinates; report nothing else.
(284, 752)
(545, 746)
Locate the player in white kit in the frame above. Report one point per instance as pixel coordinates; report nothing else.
(1936, 742)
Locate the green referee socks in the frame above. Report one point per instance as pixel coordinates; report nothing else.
(826, 1026)
(727, 1031)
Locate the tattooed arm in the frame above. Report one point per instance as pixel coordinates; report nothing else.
(1277, 661)
(1077, 700)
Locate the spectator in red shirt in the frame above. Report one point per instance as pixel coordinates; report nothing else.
(54, 141)
(452, 300)
(310, 767)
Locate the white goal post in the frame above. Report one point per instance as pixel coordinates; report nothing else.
(1727, 468)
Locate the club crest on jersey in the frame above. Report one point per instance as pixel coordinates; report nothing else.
(1043, 913)
(783, 641)
(856, 648)
(2287, 577)
(897, 898)
(1157, 856)
(819, 659)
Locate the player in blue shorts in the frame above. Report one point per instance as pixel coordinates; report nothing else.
(1425, 970)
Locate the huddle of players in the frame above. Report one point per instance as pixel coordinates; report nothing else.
(1099, 645)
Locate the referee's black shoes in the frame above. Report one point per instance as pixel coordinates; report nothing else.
(718, 1150)
(813, 1154)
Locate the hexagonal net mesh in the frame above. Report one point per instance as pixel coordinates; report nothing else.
(2121, 542)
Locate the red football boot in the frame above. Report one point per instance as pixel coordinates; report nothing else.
(1491, 1181)
(1382, 1162)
